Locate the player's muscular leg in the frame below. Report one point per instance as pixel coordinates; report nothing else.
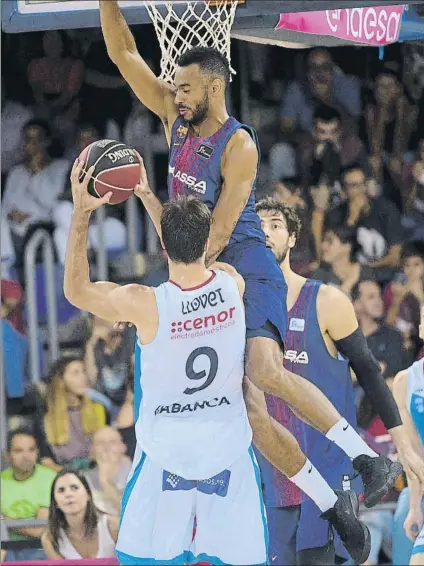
(274, 441)
(264, 367)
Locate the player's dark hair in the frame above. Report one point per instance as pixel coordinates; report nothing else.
(346, 235)
(57, 519)
(325, 113)
(210, 61)
(185, 225)
(293, 222)
(23, 431)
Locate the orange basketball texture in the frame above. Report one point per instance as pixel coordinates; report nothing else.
(116, 169)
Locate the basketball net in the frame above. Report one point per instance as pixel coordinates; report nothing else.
(197, 23)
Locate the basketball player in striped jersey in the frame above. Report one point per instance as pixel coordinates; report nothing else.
(215, 158)
(408, 389)
(323, 341)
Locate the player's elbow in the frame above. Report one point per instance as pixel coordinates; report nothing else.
(74, 296)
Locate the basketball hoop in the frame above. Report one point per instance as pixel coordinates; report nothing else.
(199, 23)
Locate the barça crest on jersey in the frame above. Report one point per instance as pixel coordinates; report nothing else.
(182, 131)
(205, 151)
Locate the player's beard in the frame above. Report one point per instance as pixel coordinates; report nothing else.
(282, 254)
(200, 112)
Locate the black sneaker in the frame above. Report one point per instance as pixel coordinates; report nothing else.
(378, 476)
(343, 517)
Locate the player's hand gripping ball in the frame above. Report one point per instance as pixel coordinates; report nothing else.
(117, 169)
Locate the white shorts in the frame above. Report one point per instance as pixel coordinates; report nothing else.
(160, 510)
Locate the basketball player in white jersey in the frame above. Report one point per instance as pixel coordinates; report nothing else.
(194, 459)
(408, 389)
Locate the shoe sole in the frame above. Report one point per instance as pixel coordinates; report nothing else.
(395, 471)
(367, 546)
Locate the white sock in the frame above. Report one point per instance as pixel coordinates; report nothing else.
(346, 438)
(313, 484)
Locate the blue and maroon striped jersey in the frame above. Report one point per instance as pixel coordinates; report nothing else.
(306, 354)
(195, 169)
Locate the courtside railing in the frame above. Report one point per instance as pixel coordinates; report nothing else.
(40, 239)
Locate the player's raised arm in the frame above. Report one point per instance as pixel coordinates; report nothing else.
(239, 169)
(122, 49)
(105, 299)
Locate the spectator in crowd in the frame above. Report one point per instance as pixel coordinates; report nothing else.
(76, 530)
(377, 221)
(404, 295)
(105, 93)
(25, 491)
(108, 477)
(14, 116)
(107, 358)
(414, 196)
(290, 191)
(70, 418)
(114, 232)
(32, 188)
(340, 266)
(56, 80)
(12, 304)
(138, 127)
(324, 84)
(327, 151)
(389, 120)
(384, 342)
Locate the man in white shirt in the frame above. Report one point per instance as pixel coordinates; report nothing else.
(33, 186)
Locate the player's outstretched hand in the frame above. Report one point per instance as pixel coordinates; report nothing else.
(83, 201)
(143, 188)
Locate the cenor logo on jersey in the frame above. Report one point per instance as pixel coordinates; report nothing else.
(189, 180)
(211, 322)
(204, 300)
(296, 357)
(205, 151)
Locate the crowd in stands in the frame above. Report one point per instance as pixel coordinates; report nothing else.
(342, 140)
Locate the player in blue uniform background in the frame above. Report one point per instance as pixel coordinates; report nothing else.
(408, 389)
(318, 347)
(214, 157)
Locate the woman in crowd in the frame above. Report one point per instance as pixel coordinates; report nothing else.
(75, 529)
(69, 417)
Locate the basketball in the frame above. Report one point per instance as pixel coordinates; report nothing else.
(116, 169)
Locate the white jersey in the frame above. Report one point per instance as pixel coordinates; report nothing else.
(415, 396)
(193, 420)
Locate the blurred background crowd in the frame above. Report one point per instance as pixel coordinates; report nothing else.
(342, 140)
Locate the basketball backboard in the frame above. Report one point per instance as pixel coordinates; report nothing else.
(254, 18)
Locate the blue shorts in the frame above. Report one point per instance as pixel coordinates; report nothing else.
(265, 297)
(311, 532)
